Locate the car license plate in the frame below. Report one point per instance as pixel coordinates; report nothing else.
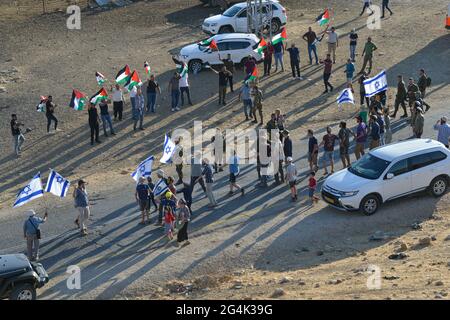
(329, 199)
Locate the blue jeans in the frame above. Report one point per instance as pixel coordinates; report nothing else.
(175, 97)
(312, 48)
(279, 59)
(133, 107)
(151, 101)
(247, 106)
(106, 118)
(352, 51)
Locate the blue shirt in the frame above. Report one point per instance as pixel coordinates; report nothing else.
(28, 228)
(245, 92)
(81, 199)
(234, 165)
(443, 133)
(294, 54)
(169, 203)
(278, 47)
(375, 131)
(349, 70)
(142, 191)
(207, 172)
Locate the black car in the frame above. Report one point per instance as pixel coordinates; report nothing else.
(19, 278)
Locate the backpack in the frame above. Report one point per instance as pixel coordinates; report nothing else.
(428, 82)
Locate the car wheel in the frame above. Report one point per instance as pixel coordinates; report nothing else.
(276, 26)
(370, 204)
(24, 291)
(195, 66)
(438, 186)
(226, 29)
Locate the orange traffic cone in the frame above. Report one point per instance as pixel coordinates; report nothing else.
(447, 21)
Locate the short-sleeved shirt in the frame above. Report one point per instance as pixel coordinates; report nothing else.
(117, 95)
(245, 92)
(229, 64)
(369, 48)
(207, 172)
(353, 39)
(103, 108)
(15, 129)
(375, 131)
(310, 36)
(349, 69)
(151, 86)
(311, 143)
(344, 136)
(142, 191)
(278, 47)
(234, 165)
(312, 183)
(174, 84)
(329, 141)
(361, 133)
(133, 92)
(332, 37)
(49, 108)
(223, 78)
(328, 65)
(291, 172)
(184, 81)
(294, 54)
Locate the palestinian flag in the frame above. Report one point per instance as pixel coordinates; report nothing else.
(210, 43)
(324, 18)
(100, 78)
(182, 69)
(78, 100)
(253, 76)
(123, 76)
(282, 36)
(133, 81)
(261, 46)
(147, 68)
(41, 106)
(99, 96)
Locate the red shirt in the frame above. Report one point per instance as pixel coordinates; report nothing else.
(312, 183)
(169, 217)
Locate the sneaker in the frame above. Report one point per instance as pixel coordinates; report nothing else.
(186, 243)
(326, 91)
(173, 110)
(113, 134)
(242, 191)
(177, 109)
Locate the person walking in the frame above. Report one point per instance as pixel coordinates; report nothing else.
(362, 90)
(133, 101)
(413, 89)
(257, 97)
(196, 172)
(183, 218)
(32, 234)
(151, 195)
(268, 54)
(278, 51)
(291, 178)
(184, 88)
(17, 135)
(139, 109)
(94, 123)
(249, 65)
(142, 195)
(443, 130)
(344, 141)
(328, 65)
(287, 144)
(169, 217)
(224, 74)
(174, 91)
(360, 137)
(312, 185)
(117, 98)
(50, 113)
(245, 96)
(366, 5)
(186, 190)
(385, 5)
(313, 151)
(374, 133)
(81, 198)
(153, 89)
(294, 55)
(328, 142)
(229, 64)
(333, 42)
(349, 71)
(311, 38)
(209, 180)
(419, 123)
(400, 97)
(106, 118)
(234, 173)
(380, 120)
(387, 126)
(353, 43)
(422, 83)
(367, 55)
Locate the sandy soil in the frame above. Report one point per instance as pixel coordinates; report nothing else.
(40, 56)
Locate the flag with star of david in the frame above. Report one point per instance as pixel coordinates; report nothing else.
(376, 84)
(57, 184)
(168, 150)
(144, 169)
(31, 191)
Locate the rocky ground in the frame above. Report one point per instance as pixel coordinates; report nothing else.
(316, 245)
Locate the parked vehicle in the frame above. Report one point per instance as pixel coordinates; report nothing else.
(234, 19)
(19, 278)
(390, 172)
(238, 45)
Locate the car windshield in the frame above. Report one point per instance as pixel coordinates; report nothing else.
(369, 167)
(231, 12)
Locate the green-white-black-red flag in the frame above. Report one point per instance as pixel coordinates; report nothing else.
(99, 96)
(123, 75)
(78, 100)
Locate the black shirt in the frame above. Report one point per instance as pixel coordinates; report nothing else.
(223, 78)
(151, 87)
(310, 36)
(229, 64)
(15, 129)
(49, 107)
(311, 143)
(353, 39)
(103, 108)
(93, 115)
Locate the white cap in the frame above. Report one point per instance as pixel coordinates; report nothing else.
(289, 159)
(30, 213)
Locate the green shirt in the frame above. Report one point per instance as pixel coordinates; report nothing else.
(369, 48)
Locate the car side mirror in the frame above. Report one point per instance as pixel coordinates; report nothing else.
(389, 176)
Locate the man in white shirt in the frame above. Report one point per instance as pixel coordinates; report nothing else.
(333, 42)
(184, 87)
(117, 98)
(133, 94)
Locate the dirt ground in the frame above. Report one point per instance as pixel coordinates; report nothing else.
(40, 56)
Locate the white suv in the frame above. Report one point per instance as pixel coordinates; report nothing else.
(389, 172)
(238, 45)
(234, 19)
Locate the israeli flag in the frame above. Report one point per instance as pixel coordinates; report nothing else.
(376, 84)
(31, 191)
(346, 96)
(144, 169)
(168, 150)
(57, 184)
(160, 188)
